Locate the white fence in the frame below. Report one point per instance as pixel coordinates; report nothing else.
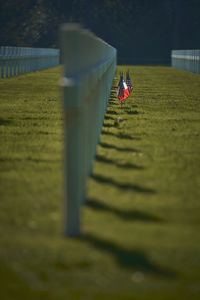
(89, 67)
(188, 60)
(18, 60)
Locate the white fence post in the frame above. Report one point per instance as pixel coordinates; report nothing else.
(188, 60)
(19, 60)
(89, 66)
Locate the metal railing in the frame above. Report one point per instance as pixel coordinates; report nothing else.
(188, 60)
(18, 60)
(89, 67)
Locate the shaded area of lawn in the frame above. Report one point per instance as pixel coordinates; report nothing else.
(128, 258)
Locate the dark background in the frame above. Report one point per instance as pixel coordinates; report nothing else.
(143, 31)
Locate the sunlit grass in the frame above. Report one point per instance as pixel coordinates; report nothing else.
(141, 221)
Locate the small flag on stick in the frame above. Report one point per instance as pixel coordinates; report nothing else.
(122, 90)
(128, 82)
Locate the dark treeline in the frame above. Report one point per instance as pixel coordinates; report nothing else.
(143, 31)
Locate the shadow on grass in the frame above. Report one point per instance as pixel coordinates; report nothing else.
(125, 186)
(109, 146)
(128, 258)
(35, 118)
(29, 159)
(108, 125)
(119, 135)
(103, 159)
(111, 103)
(5, 122)
(109, 118)
(132, 112)
(133, 215)
(111, 112)
(113, 93)
(123, 107)
(14, 287)
(113, 98)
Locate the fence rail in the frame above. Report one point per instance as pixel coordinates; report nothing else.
(89, 67)
(188, 60)
(18, 60)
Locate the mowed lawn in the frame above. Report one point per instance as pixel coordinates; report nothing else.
(141, 224)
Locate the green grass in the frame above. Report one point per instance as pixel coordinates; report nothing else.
(141, 222)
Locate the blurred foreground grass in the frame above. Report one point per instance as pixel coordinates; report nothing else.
(142, 220)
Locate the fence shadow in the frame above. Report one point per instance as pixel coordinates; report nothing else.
(132, 112)
(103, 159)
(30, 159)
(119, 135)
(124, 186)
(128, 258)
(127, 149)
(108, 125)
(5, 122)
(111, 112)
(125, 215)
(111, 103)
(109, 118)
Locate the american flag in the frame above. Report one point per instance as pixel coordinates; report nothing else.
(122, 90)
(128, 82)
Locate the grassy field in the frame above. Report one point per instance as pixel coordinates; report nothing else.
(141, 222)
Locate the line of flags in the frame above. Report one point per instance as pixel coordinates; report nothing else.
(124, 88)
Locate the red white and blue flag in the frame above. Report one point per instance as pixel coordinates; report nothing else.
(122, 90)
(128, 82)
